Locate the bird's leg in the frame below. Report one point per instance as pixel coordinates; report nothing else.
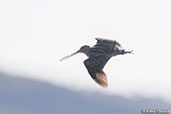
(131, 52)
(122, 52)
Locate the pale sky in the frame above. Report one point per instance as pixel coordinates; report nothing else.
(35, 34)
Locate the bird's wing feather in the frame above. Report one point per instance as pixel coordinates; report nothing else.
(95, 66)
(117, 45)
(105, 45)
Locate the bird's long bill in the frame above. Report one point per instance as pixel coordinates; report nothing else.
(68, 56)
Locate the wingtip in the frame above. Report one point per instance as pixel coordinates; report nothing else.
(98, 39)
(101, 79)
(102, 84)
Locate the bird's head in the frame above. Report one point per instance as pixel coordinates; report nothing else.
(84, 49)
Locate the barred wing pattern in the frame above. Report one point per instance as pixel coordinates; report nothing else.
(104, 45)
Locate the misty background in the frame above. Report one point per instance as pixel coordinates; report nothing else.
(26, 96)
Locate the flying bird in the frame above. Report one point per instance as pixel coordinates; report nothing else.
(98, 55)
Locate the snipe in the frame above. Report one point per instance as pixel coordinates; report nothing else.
(98, 55)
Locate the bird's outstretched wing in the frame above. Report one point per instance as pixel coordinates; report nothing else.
(95, 66)
(105, 45)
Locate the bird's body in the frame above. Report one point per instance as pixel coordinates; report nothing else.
(98, 55)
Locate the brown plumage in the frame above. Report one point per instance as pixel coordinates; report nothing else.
(98, 55)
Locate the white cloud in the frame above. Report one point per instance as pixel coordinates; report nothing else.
(36, 34)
